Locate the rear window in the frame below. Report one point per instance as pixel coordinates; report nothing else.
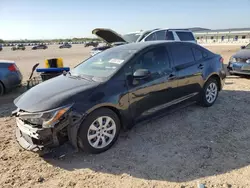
(185, 36)
(198, 54)
(182, 54)
(160, 35)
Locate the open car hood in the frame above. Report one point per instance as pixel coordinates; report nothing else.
(108, 35)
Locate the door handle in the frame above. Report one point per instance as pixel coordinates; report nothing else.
(200, 66)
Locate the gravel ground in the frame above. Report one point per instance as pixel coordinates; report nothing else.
(192, 145)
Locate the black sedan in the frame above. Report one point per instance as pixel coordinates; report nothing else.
(116, 89)
(40, 46)
(239, 63)
(65, 45)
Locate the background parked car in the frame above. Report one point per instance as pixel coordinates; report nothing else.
(111, 37)
(10, 76)
(18, 47)
(65, 45)
(40, 46)
(94, 44)
(1, 47)
(239, 63)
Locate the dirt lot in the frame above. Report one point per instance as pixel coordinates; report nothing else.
(195, 144)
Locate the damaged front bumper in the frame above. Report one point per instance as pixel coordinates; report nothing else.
(43, 140)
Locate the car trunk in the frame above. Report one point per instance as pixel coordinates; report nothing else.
(108, 35)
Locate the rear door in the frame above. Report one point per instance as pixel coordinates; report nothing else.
(153, 93)
(189, 71)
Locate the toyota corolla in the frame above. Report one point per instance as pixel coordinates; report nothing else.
(116, 89)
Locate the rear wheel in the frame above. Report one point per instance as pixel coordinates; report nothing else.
(99, 131)
(209, 93)
(1, 88)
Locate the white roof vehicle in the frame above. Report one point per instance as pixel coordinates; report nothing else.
(111, 36)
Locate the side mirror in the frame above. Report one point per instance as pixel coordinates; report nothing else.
(141, 73)
(243, 47)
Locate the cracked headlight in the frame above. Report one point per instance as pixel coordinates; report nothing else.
(46, 119)
(232, 59)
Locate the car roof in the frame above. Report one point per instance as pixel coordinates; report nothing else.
(6, 61)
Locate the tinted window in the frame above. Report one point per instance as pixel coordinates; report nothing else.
(169, 35)
(182, 54)
(185, 36)
(155, 60)
(197, 54)
(160, 35)
(151, 37)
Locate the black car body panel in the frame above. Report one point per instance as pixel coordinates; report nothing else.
(239, 63)
(68, 90)
(131, 99)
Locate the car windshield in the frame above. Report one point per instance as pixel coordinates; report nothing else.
(103, 64)
(248, 46)
(131, 37)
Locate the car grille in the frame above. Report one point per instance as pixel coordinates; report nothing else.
(241, 60)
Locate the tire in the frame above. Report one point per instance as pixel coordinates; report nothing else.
(213, 86)
(88, 137)
(2, 90)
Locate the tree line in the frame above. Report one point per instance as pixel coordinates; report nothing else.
(49, 41)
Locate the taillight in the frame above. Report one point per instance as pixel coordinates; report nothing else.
(12, 68)
(222, 60)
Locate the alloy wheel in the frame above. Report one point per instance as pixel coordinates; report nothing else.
(101, 132)
(211, 92)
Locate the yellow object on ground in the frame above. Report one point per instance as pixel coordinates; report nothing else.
(54, 63)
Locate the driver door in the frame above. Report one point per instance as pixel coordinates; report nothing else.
(154, 92)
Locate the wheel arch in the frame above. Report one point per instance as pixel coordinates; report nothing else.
(110, 107)
(217, 78)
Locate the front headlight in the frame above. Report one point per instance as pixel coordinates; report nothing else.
(232, 59)
(47, 119)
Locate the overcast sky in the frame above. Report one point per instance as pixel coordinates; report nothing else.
(46, 19)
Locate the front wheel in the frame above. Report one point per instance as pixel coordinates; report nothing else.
(99, 131)
(209, 93)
